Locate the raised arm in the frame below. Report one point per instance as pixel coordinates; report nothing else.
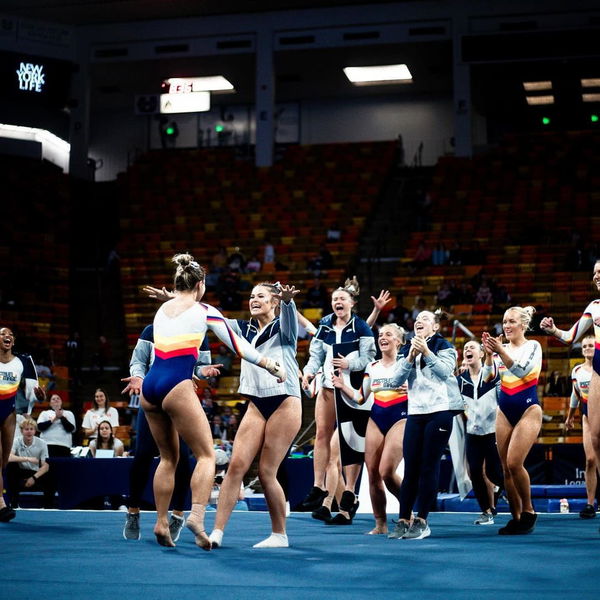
(378, 305)
(217, 323)
(576, 332)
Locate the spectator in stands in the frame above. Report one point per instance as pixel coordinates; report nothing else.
(340, 326)
(100, 411)
(218, 428)
(106, 440)
(225, 360)
(237, 261)
(226, 415)
(208, 404)
(232, 426)
(14, 369)
(556, 385)
(581, 376)
(418, 307)
(268, 254)
(321, 262)
(399, 314)
(274, 411)
(316, 296)
(228, 290)
(219, 260)
(444, 296)
(519, 417)
(440, 254)
(334, 233)
(74, 349)
(484, 294)
(28, 467)
(57, 426)
(253, 265)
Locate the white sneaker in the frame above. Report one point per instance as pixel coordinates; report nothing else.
(484, 519)
(417, 531)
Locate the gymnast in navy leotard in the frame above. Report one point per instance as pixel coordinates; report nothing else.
(274, 411)
(169, 399)
(385, 429)
(519, 418)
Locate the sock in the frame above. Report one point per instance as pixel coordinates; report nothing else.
(275, 540)
(216, 538)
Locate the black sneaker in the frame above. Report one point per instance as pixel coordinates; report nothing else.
(322, 514)
(313, 500)
(589, 512)
(510, 528)
(347, 502)
(527, 522)
(7, 514)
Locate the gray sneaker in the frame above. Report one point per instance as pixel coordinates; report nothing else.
(131, 530)
(484, 519)
(175, 526)
(400, 528)
(417, 531)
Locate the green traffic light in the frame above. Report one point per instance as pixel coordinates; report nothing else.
(545, 121)
(594, 118)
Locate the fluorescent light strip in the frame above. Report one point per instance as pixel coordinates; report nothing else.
(186, 85)
(537, 100)
(590, 97)
(376, 75)
(587, 83)
(537, 86)
(54, 149)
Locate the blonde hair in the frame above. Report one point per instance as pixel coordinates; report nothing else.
(188, 272)
(525, 314)
(400, 332)
(27, 422)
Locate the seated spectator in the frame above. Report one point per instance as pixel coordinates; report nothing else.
(219, 260)
(484, 294)
(237, 261)
(419, 306)
(556, 385)
(421, 259)
(317, 296)
(399, 314)
(268, 253)
(226, 415)
(321, 262)
(219, 431)
(101, 411)
(221, 464)
(232, 426)
(57, 426)
(224, 358)
(106, 440)
(445, 297)
(439, 256)
(208, 404)
(28, 468)
(253, 265)
(334, 233)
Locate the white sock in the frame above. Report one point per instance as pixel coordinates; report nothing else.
(287, 509)
(275, 540)
(216, 538)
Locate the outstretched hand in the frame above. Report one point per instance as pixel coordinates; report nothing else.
(384, 298)
(162, 294)
(133, 387)
(286, 293)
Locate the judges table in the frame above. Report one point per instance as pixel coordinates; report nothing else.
(81, 479)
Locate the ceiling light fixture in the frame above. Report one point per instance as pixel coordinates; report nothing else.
(537, 86)
(590, 97)
(537, 100)
(378, 75)
(587, 83)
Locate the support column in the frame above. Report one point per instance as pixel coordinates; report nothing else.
(265, 98)
(79, 131)
(463, 110)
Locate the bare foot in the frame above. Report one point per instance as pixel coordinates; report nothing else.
(197, 529)
(377, 531)
(163, 536)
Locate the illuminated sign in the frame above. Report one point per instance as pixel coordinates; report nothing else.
(184, 103)
(189, 85)
(31, 77)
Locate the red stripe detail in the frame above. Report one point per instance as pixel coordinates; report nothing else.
(183, 352)
(229, 331)
(520, 388)
(8, 395)
(397, 400)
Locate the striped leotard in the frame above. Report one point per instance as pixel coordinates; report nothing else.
(19, 368)
(590, 316)
(176, 343)
(580, 377)
(518, 385)
(390, 403)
